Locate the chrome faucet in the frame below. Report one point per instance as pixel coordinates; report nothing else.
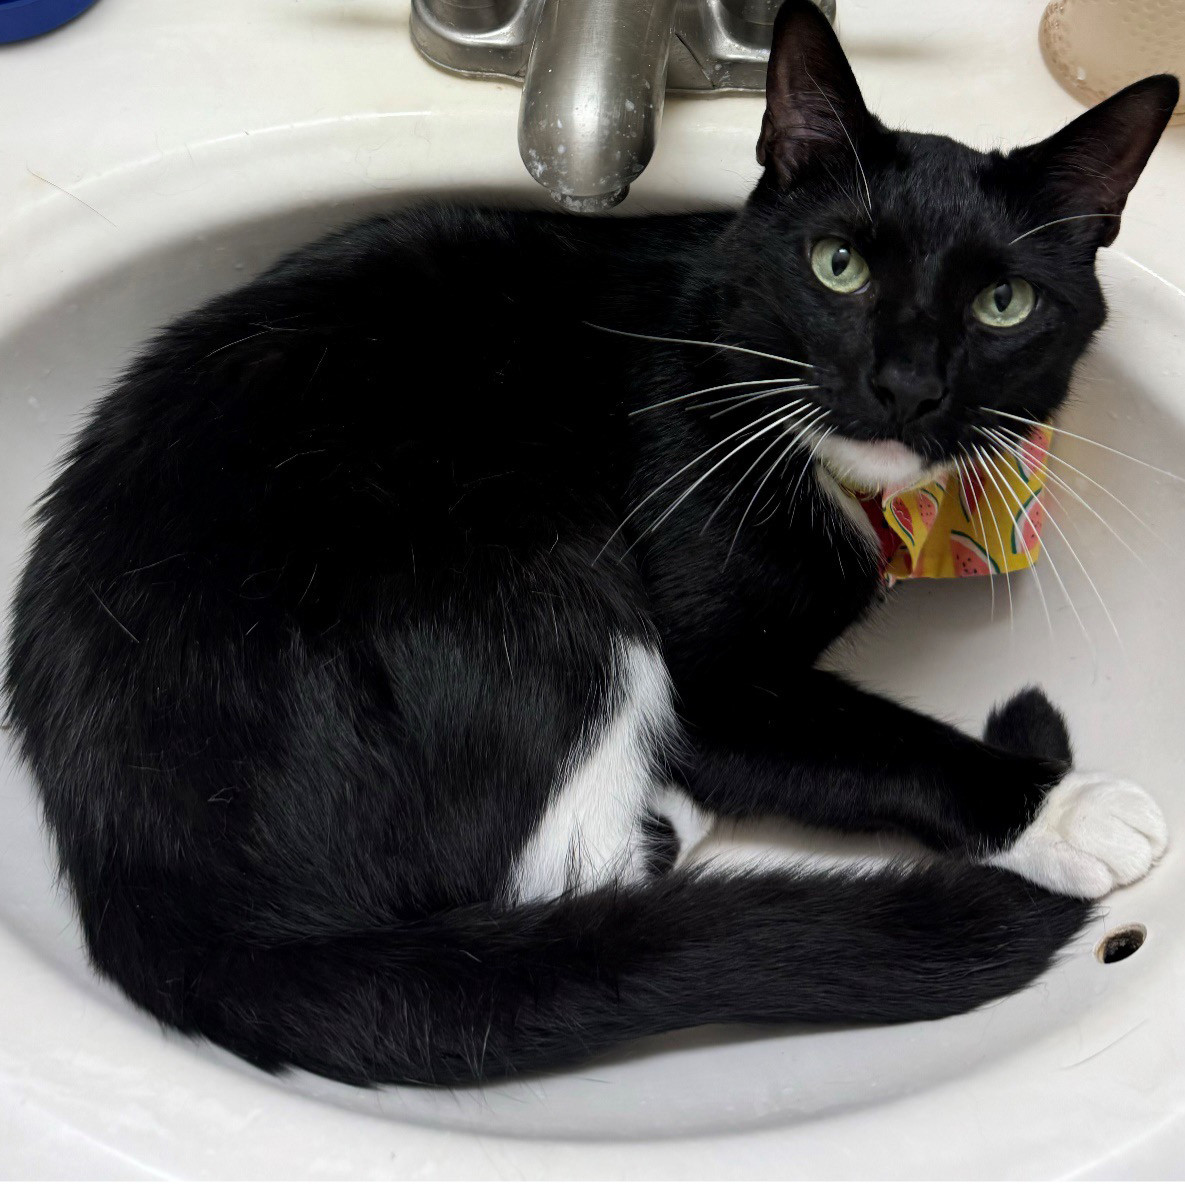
(595, 74)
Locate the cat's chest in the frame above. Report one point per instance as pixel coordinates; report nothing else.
(803, 599)
(785, 597)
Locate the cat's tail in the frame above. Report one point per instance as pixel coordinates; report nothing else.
(476, 994)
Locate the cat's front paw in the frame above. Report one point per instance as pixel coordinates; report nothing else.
(1093, 833)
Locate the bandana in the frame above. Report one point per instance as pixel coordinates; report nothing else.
(982, 522)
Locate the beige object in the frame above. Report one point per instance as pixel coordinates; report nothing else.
(1096, 47)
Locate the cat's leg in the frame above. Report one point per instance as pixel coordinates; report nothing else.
(1093, 831)
(828, 754)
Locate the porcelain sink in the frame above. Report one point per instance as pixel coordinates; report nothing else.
(235, 135)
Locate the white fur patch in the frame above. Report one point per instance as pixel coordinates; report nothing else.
(689, 821)
(1093, 833)
(873, 464)
(848, 507)
(591, 832)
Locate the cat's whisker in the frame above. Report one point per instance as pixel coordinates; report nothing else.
(834, 520)
(854, 198)
(745, 399)
(1019, 439)
(851, 144)
(802, 430)
(1054, 480)
(1051, 497)
(1085, 440)
(666, 514)
(981, 472)
(1065, 590)
(1174, 288)
(1089, 579)
(1057, 221)
(1000, 482)
(1051, 492)
(810, 460)
(1056, 501)
(966, 482)
(1003, 489)
(769, 509)
(688, 341)
(1050, 476)
(237, 342)
(805, 412)
(709, 390)
(679, 473)
(803, 435)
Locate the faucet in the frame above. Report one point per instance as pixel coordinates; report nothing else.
(593, 97)
(595, 74)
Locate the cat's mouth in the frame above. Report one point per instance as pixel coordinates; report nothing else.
(875, 466)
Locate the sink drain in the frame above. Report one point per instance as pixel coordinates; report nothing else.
(1121, 943)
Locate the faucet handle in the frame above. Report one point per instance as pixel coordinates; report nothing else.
(487, 37)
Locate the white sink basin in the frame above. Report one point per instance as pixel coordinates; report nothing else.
(170, 200)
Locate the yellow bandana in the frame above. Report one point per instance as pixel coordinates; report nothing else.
(985, 522)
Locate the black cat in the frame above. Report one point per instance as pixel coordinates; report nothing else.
(392, 629)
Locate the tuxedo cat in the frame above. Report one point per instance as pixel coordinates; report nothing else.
(399, 620)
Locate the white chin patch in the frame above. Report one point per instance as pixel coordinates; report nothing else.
(873, 465)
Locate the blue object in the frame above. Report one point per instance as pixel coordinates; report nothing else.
(21, 19)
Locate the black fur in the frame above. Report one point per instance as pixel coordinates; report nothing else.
(1028, 723)
(330, 585)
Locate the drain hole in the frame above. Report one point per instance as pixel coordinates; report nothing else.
(1121, 943)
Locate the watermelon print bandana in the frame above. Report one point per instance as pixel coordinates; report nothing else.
(984, 522)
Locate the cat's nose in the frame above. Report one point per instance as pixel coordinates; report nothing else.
(906, 392)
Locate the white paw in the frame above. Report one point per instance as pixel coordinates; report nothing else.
(1094, 832)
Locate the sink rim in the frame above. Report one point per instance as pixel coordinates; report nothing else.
(67, 231)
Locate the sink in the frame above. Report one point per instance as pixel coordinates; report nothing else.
(103, 237)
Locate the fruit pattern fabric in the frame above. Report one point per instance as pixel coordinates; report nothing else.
(986, 522)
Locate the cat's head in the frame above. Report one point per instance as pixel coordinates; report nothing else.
(921, 280)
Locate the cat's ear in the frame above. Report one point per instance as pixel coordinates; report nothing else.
(1091, 165)
(813, 105)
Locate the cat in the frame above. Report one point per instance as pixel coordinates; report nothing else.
(398, 622)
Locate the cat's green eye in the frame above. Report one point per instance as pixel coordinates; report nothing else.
(839, 265)
(1005, 303)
